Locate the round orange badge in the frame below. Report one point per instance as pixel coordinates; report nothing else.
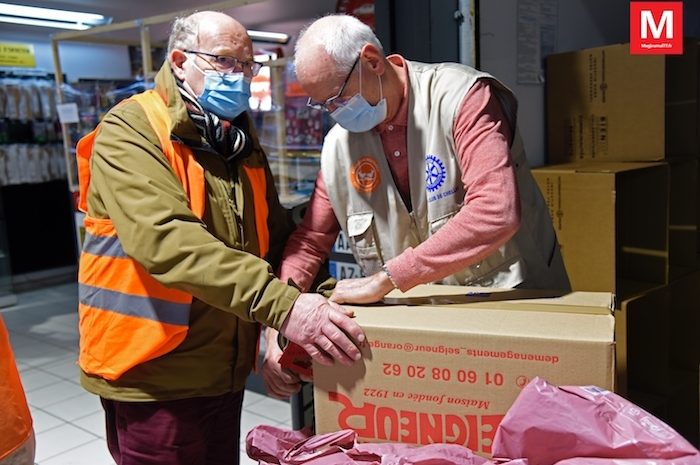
(364, 174)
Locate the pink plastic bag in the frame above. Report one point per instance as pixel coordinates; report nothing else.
(586, 425)
(267, 443)
(271, 445)
(405, 454)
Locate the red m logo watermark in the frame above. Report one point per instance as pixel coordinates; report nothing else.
(656, 28)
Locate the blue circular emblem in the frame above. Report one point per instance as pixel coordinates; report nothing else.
(435, 172)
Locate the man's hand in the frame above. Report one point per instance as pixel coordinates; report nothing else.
(362, 290)
(324, 330)
(279, 382)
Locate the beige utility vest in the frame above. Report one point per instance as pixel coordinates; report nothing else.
(378, 224)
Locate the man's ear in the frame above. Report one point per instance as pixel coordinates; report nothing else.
(374, 59)
(177, 59)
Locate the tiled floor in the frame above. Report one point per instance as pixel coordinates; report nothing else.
(68, 421)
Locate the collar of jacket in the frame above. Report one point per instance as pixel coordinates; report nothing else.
(232, 144)
(181, 125)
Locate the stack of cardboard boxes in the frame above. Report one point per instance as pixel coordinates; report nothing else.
(621, 186)
(444, 363)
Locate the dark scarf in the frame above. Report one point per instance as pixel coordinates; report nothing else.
(231, 139)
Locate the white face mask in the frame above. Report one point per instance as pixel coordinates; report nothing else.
(358, 115)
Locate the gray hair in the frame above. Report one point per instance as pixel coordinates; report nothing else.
(341, 36)
(184, 33)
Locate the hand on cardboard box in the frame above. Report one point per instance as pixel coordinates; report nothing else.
(324, 330)
(362, 290)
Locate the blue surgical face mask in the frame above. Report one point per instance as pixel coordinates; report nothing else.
(225, 94)
(358, 115)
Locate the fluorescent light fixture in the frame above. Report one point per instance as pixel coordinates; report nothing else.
(272, 37)
(43, 23)
(48, 17)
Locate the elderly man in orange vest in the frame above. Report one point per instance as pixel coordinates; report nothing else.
(182, 226)
(16, 431)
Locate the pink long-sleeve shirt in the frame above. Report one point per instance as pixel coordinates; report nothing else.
(489, 217)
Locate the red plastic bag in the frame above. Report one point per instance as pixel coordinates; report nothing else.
(295, 358)
(586, 425)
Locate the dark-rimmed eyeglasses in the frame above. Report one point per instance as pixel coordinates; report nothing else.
(336, 100)
(229, 64)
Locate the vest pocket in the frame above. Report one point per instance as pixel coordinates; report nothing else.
(360, 229)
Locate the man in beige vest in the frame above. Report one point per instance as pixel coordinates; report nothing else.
(425, 173)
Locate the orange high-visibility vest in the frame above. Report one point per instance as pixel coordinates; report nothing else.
(126, 316)
(15, 418)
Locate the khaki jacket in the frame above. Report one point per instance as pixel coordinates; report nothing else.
(214, 259)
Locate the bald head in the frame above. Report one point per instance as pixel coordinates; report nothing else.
(186, 30)
(207, 33)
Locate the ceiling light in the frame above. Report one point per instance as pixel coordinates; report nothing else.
(48, 17)
(272, 37)
(43, 23)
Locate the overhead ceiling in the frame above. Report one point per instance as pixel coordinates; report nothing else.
(287, 16)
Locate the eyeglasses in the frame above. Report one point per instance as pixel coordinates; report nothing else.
(229, 64)
(336, 100)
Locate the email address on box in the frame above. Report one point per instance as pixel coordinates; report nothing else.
(410, 347)
(469, 352)
(510, 355)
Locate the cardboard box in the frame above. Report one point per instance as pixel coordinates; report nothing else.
(611, 220)
(605, 104)
(437, 372)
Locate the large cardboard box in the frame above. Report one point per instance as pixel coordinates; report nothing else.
(605, 104)
(611, 220)
(438, 372)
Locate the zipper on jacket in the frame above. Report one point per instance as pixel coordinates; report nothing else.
(226, 191)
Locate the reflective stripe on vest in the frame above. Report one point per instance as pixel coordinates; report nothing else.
(126, 316)
(15, 419)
